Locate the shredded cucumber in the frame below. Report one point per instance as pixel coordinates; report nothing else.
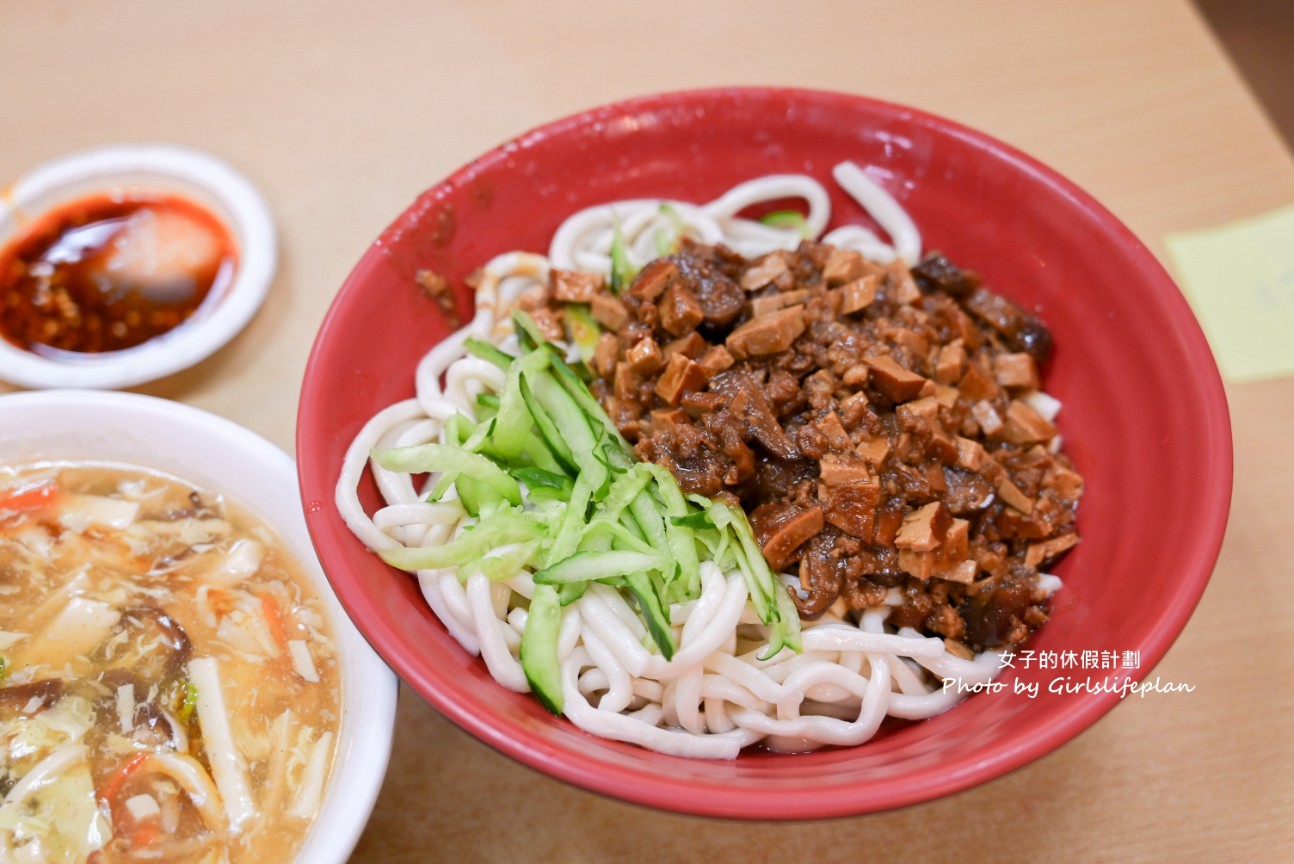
(501, 528)
(600, 567)
(538, 657)
(665, 243)
(582, 330)
(790, 219)
(488, 351)
(622, 272)
(553, 487)
(424, 458)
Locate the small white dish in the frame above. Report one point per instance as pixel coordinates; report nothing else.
(214, 453)
(198, 176)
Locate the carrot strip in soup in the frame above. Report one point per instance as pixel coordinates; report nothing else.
(274, 617)
(28, 498)
(117, 779)
(144, 834)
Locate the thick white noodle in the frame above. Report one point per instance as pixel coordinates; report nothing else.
(887, 212)
(715, 696)
(863, 241)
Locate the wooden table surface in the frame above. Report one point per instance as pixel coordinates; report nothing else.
(341, 114)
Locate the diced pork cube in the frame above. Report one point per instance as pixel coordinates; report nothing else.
(767, 334)
(924, 528)
(681, 374)
(609, 311)
(857, 294)
(1016, 370)
(574, 286)
(764, 305)
(897, 383)
(653, 279)
(764, 271)
(644, 357)
(680, 311)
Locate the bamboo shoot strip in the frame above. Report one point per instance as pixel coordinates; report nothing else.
(227, 764)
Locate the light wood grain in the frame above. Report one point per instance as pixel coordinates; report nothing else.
(342, 112)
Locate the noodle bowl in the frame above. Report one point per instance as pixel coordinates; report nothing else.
(1036, 236)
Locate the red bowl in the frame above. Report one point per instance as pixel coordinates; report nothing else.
(1144, 419)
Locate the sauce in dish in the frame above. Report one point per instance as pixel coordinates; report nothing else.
(169, 687)
(109, 272)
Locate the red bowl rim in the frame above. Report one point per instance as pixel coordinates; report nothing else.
(658, 789)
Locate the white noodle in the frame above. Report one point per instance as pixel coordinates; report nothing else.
(709, 700)
(887, 212)
(499, 659)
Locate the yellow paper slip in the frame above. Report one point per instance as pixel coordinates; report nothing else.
(1239, 279)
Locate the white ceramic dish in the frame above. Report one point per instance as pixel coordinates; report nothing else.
(160, 168)
(214, 453)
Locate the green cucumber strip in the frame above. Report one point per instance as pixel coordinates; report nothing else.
(650, 517)
(682, 541)
(786, 633)
(582, 371)
(570, 425)
(557, 409)
(488, 351)
(501, 528)
(654, 612)
(615, 445)
(540, 478)
(528, 333)
(487, 407)
(573, 520)
(539, 660)
(475, 495)
(766, 591)
(622, 272)
(544, 495)
(698, 521)
(536, 452)
(513, 420)
(569, 592)
(481, 439)
(457, 429)
(790, 219)
(548, 432)
(763, 583)
(603, 535)
(599, 566)
(423, 458)
(630, 525)
(623, 490)
(581, 329)
(666, 245)
(737, 547)
(500, 567)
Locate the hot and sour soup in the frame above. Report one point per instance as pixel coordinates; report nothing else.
(171, 687)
